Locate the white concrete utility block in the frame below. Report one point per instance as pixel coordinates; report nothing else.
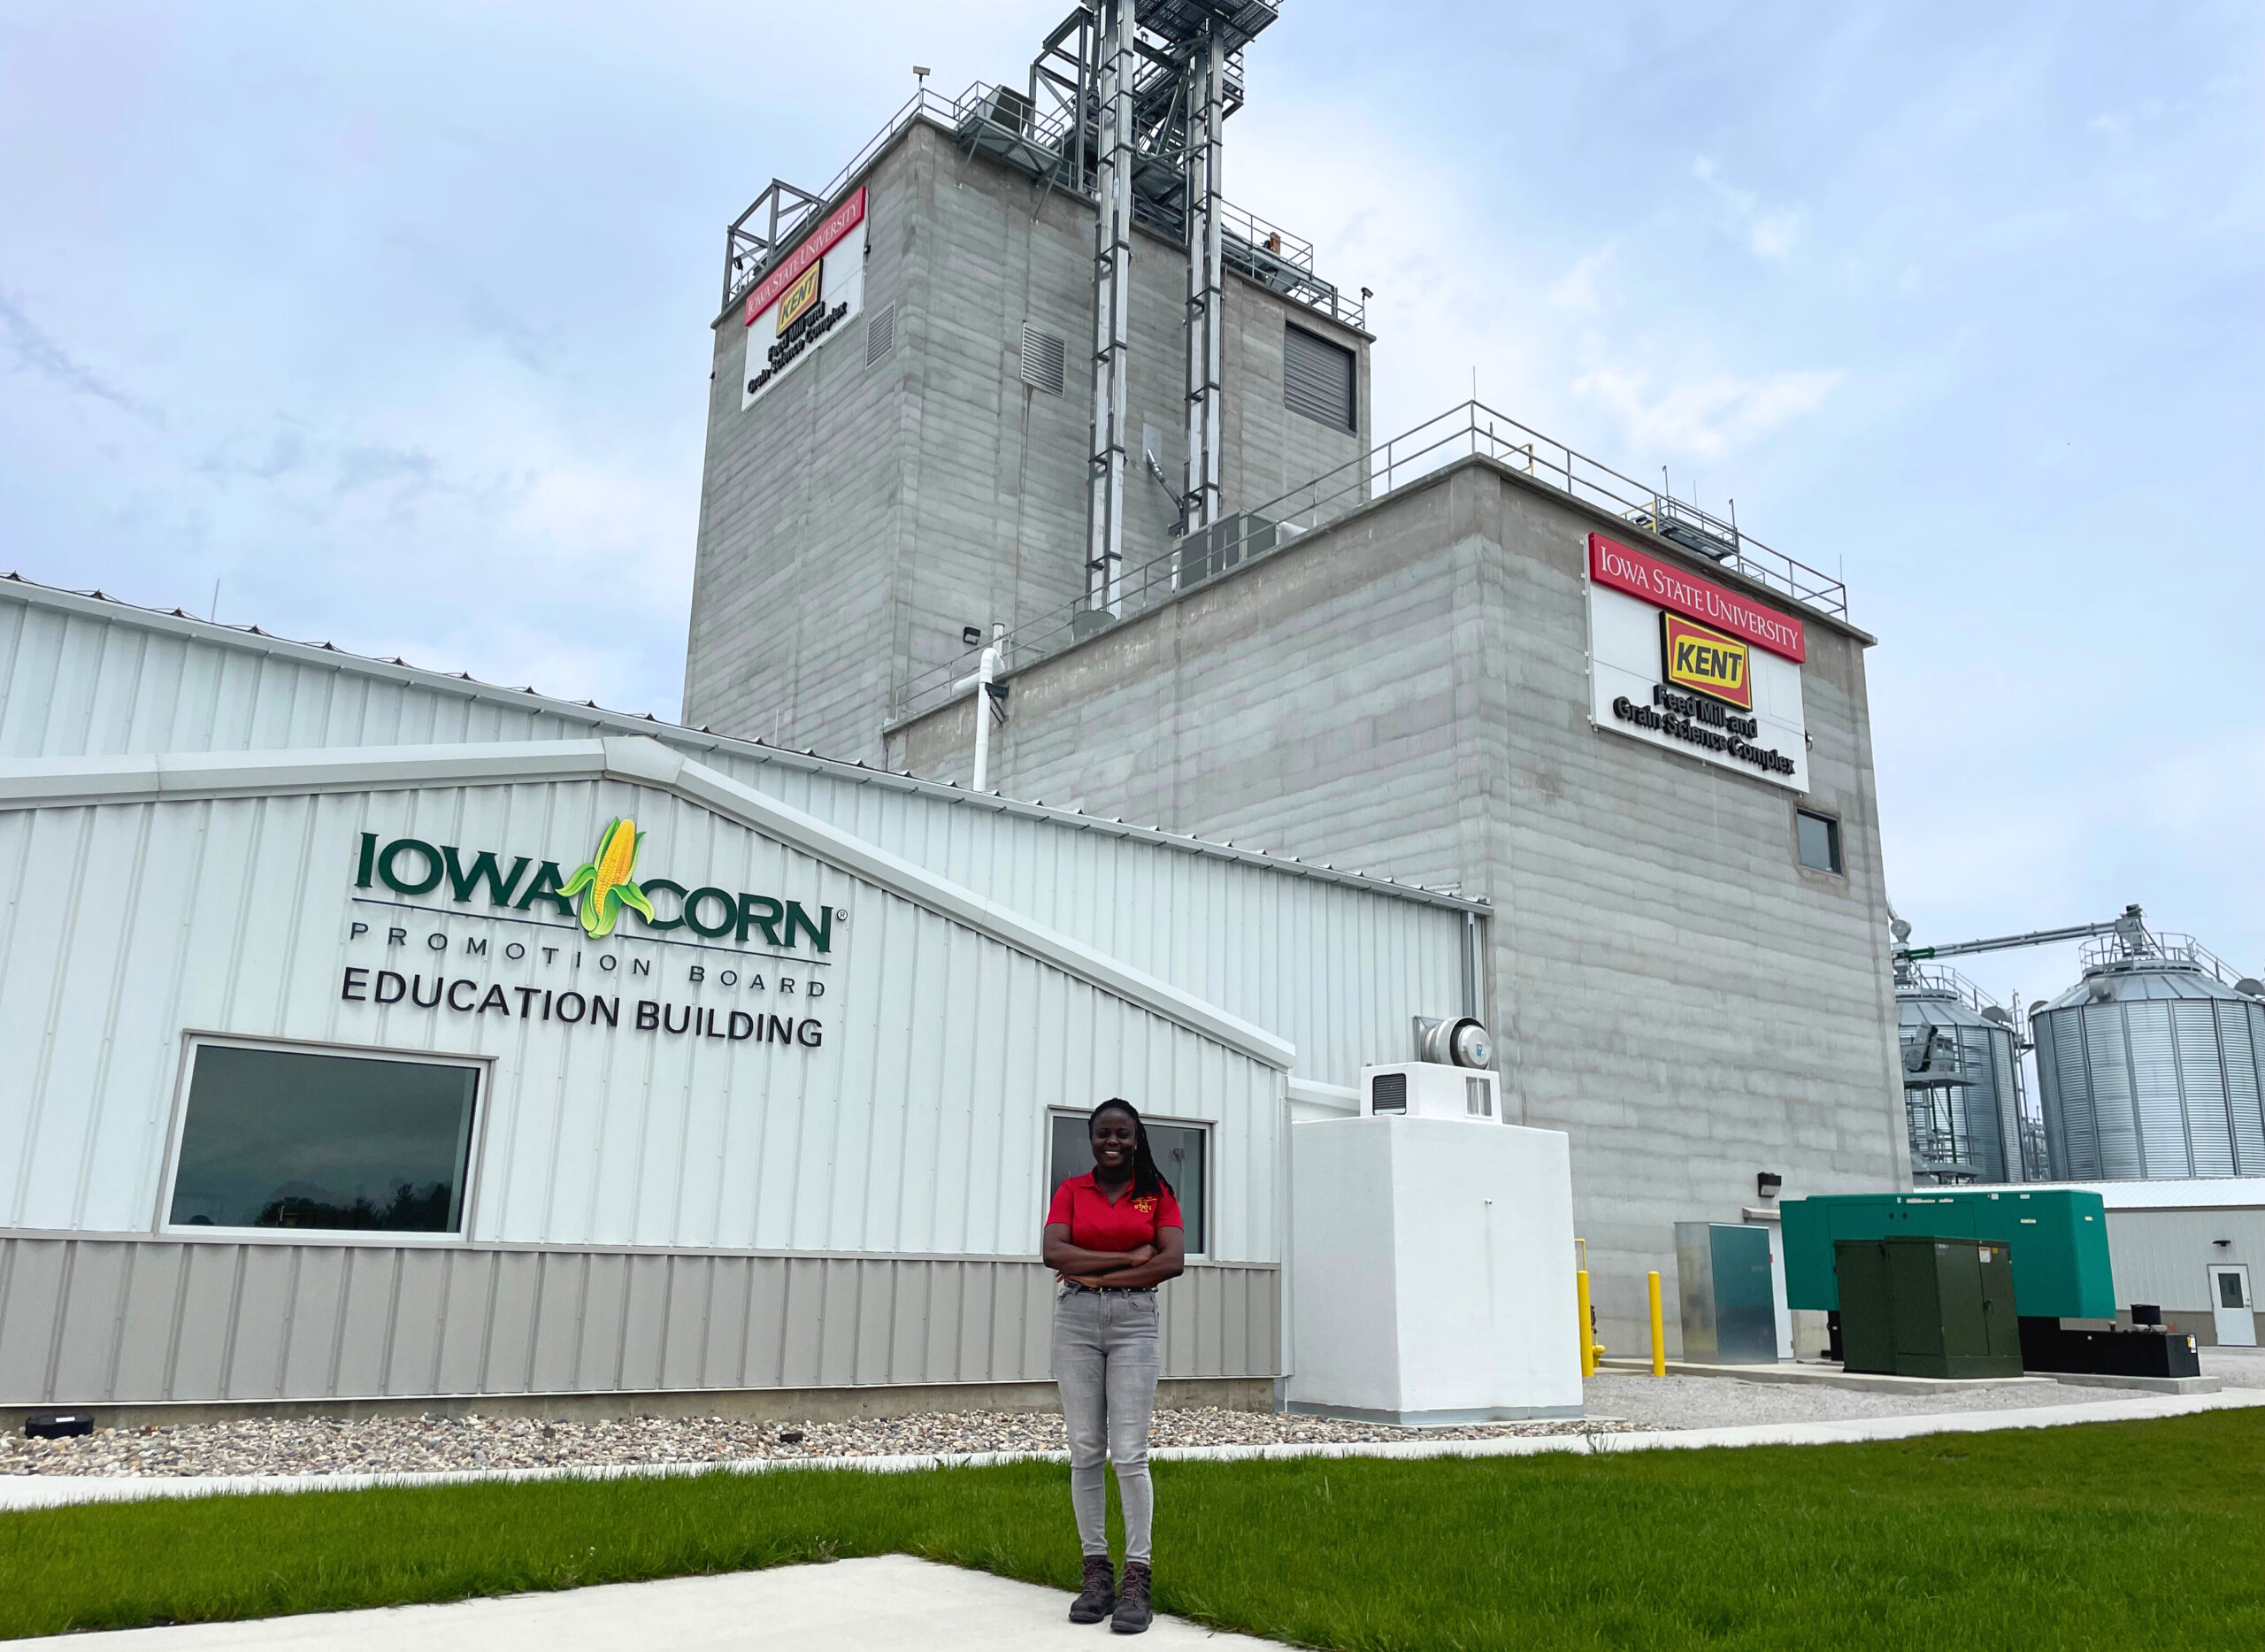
(1433, 1274)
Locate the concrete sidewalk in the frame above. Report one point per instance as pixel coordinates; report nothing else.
(46, 1491)
(869, 1605)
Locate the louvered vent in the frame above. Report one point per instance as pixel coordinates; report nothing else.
(880, 334)
(1478, 1098)
(1042, 359)
(1316, 378)
(1388, 1093)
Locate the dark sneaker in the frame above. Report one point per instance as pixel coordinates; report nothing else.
(1132, 1608)
(1099, 1594)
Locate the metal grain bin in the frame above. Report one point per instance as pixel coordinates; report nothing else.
(2151, 1067)
(1962, 1092)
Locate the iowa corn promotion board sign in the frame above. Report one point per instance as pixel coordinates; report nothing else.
(477, 933)
(1682, 662)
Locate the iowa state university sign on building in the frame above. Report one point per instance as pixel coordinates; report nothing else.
(811, 297)
(1681, 662)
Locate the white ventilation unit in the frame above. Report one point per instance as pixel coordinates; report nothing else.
(1430, 1090)
(1043, 354)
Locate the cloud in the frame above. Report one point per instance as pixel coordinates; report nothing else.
(1770, 232)
(1708, 417)
(1774, 234)
(367, 466)
(1577, 289)
(40, 354)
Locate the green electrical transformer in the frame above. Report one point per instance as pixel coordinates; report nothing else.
(1919, 1306)
(2057, 1237)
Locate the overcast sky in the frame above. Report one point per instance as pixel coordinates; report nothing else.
(392, 321)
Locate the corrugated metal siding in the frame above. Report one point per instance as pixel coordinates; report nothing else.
(2005, 1074)
(2162, 1256)
(115, 1321)
(919, 1126)
(2154, 1087)
(1338, 969)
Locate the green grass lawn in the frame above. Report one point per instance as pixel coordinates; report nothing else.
(2122, 1534)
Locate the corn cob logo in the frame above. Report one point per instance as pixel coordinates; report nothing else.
(603, 882)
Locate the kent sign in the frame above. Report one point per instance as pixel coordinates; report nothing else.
(1691, 657)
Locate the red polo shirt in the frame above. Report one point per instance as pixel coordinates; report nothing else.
(1095, 1223)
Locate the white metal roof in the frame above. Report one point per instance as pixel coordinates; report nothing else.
(2199, 1193)
(253, 640)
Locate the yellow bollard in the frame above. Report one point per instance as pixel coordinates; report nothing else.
(1659, 1331)
(1588, 1342)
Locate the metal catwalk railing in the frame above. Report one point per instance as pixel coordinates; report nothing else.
(2162, 946)
(1002, 122)
(1942, 978)
(1471, 429)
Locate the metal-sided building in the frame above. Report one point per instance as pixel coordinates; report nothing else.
(744, 1072)
(2193, 1248)
(776, 1132)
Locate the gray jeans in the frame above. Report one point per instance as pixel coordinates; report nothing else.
(1105, 1359)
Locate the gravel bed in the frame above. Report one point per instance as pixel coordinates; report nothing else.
(1727, 1402)
(411, 1445)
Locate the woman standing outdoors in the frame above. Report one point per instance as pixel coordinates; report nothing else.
(1112, 1236)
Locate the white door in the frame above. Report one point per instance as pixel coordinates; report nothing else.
(2236, 1310)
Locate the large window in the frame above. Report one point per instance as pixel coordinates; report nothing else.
(1817, 837)
(1182, 1155)
(300, 1139)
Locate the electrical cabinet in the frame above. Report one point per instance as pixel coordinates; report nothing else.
(1727, 1293)
(1922, 1306)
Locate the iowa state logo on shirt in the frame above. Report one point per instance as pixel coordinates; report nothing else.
(1146, 1205)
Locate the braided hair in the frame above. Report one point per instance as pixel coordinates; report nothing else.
(1147, 1180)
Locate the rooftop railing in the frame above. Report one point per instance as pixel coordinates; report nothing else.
(1003, 123)
(2159, 947)
(1942, 978)
(1471, 429)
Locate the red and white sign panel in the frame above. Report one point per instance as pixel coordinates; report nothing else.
(838, 223)
(817, 289)
(1666, 586)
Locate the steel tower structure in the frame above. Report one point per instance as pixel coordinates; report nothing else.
(1148, 97)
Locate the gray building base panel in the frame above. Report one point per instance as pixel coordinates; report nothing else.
(759, 1405)
(256, 1326)
(1438, 1420)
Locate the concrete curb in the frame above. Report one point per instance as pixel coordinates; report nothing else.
(1869, 1382)
(23, 1492)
